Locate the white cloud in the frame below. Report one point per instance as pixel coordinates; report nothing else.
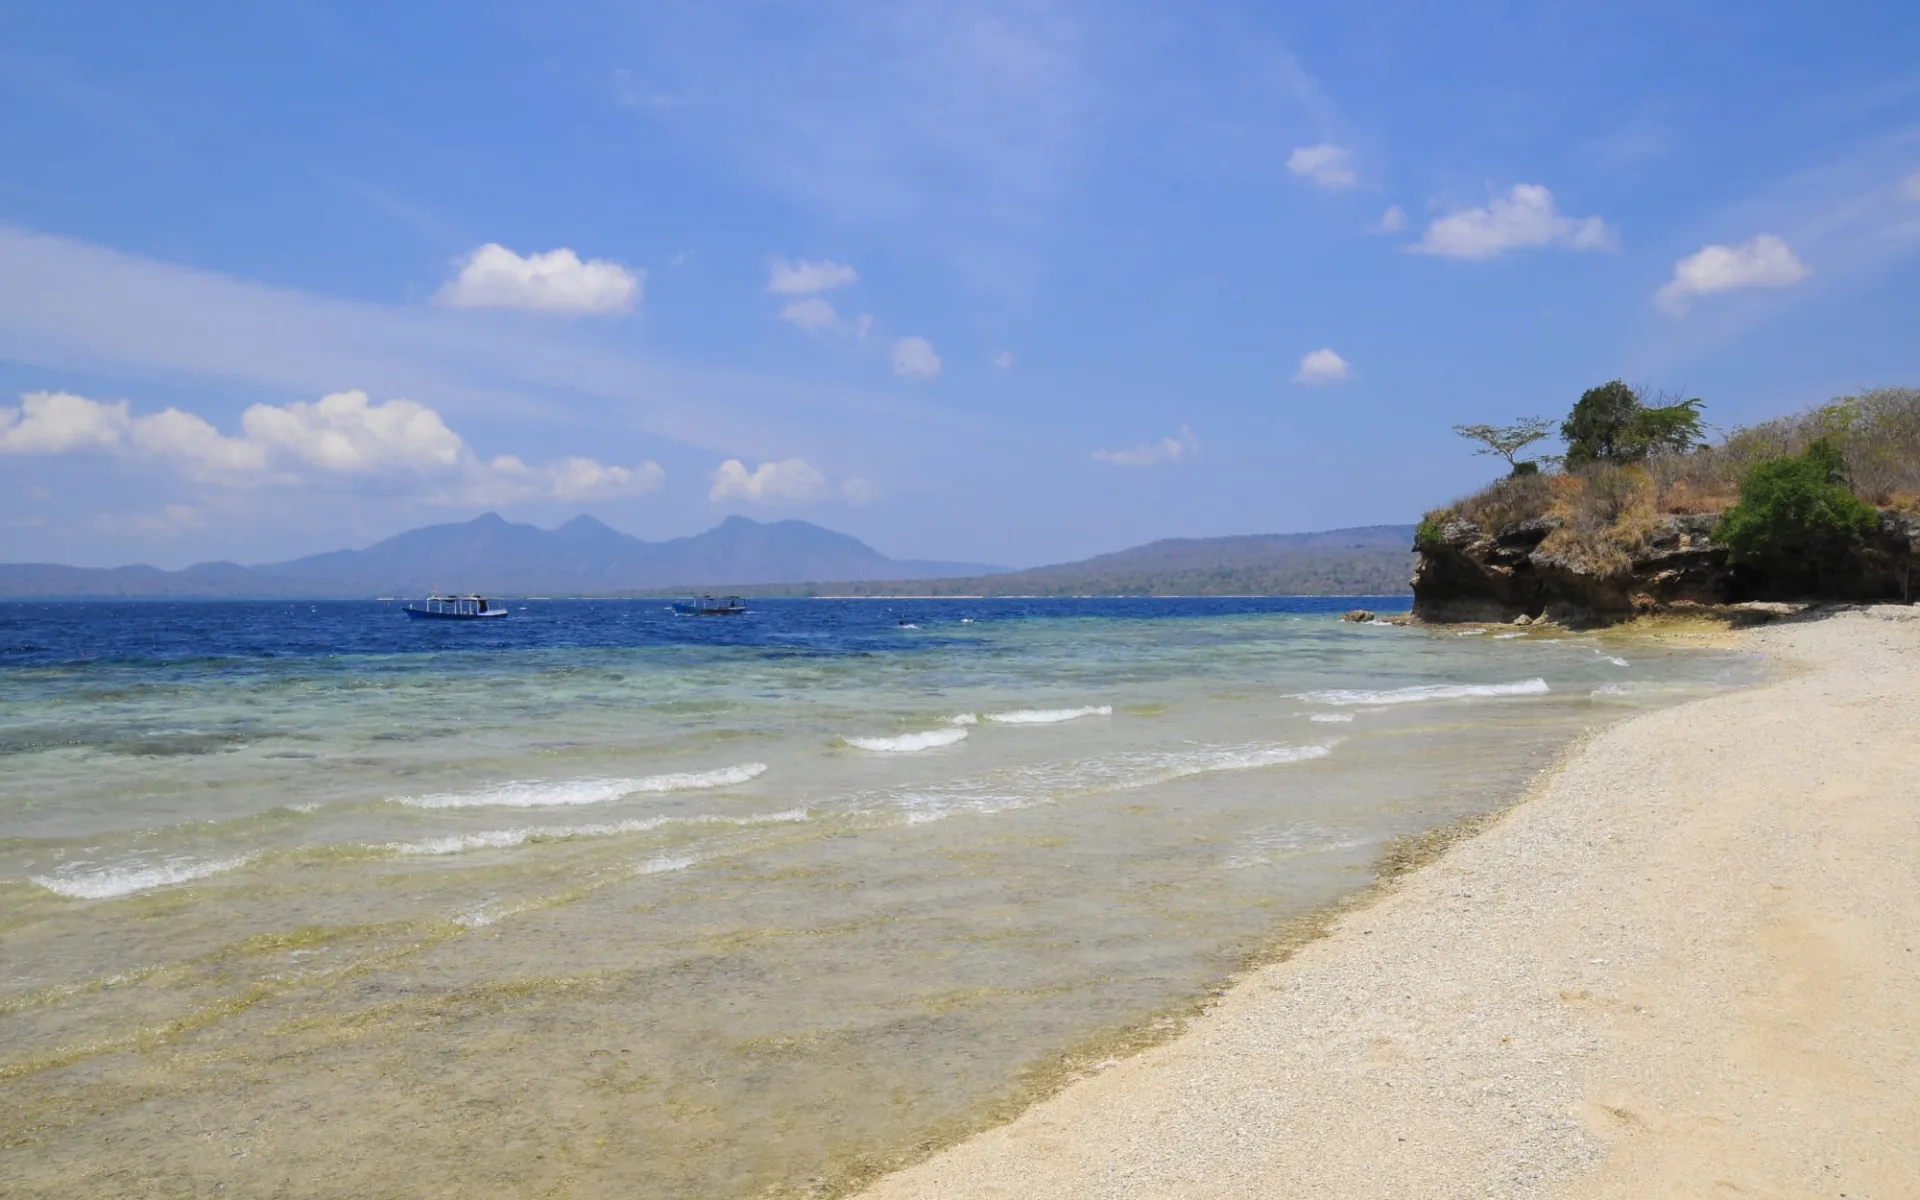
(801, 278)
(200, 449)
(1325, 165)
(811, 315)
(341, 434)
(1764, 262)
(557, 281)
(579, 478)
(509, 480)
(1393, 220)
(817, 316)
(790, 479)
(913, 358)
(1523, 218)
(1319, 367)
(60, 422)
(64, 302)
(1003, 360)
(347, 433)
(859, 491)
(1910, 187)
(1168, 449)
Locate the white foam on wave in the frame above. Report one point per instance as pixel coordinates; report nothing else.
(1331, 718)
(908, 743)
(114, 882)
(1615, 659)
(1047, 716)
(964, 719)
(1026, 786)
(660, 863)
(1266, 848)
(507, 839)
(1431, 691)
(553, 794)
(483, 916)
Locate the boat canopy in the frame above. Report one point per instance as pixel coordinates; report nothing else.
(459, 606)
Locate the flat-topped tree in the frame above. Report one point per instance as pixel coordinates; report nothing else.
(1507, 441)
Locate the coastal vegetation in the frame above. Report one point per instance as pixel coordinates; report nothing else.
(1643, 508)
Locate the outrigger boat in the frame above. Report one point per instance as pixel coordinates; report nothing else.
(456, 608)
(712, 606)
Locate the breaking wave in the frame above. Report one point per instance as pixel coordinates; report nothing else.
(1432, 691)
(506, 839)
(1047, 716)
(584, 791)
(1025, 786)
(115, 882)
(1331, 718)
(908, 743)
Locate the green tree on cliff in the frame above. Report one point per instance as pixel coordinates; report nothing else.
(1613, 424)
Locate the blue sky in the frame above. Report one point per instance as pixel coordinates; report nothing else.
(1004, 282)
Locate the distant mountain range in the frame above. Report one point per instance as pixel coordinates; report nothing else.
(492, 555)
(586, 557)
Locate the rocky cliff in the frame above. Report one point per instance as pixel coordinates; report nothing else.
(1467, 573)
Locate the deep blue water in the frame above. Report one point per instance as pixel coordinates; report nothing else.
(54, 633)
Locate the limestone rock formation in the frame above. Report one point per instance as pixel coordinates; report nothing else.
(1467, 573)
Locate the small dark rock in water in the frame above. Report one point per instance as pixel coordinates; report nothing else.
(1357, 614)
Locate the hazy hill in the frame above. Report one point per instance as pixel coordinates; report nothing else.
(493, 555)
(1370, 560)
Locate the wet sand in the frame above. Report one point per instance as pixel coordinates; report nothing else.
(1687, 965)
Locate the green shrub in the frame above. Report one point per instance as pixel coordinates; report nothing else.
(1428, 534)
(1797, 514)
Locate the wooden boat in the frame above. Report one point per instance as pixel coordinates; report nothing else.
(712, 606)
(456, 608)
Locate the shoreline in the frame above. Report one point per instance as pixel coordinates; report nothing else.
(1540, 1032)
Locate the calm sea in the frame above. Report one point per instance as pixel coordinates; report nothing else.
(310, 899)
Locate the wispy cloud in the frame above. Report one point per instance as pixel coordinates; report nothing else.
(816, 315)
(802, 278)
(1182, 445)
(1326, 165)
(955, 125)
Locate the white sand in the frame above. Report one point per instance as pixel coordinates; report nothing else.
(1688, 965)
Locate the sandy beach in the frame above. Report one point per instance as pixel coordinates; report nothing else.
(1687, 965)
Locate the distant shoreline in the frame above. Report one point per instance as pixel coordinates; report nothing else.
(1405, 597)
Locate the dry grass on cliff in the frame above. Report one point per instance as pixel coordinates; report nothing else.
(1607, 513)
(1609, 516)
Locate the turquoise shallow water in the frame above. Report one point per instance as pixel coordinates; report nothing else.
(598, 901)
